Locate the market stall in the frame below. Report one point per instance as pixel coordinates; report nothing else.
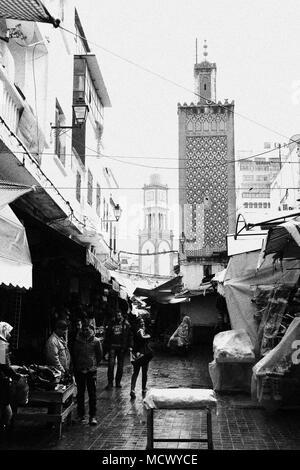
(50, 398)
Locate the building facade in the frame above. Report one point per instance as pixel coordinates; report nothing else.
(254, 177)
(52, 102)
(156, 237)
(285, 188)
(206, 177)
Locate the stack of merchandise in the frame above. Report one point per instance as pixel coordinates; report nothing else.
(231, 369)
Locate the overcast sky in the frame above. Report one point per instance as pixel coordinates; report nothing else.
(255, 46)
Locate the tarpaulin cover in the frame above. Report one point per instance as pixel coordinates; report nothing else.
(15, 260)
(279, 359)
(172, 398)
(233, 346)
(27, 10)
(230, 376)
(242, 278)
(283, 240)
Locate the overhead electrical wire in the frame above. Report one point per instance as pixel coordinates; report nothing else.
(145, 69)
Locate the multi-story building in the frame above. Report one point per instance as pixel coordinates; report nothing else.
(254, 177)
(206, 177)
(156, 237)
(285, 188)
(52, 101)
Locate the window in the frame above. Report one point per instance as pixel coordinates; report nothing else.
(78, 186)
(149, 195)
(255, 205)
(250, 205)
(265, 205)
(98, 199)
(246, 205)
(260, 205)
(90, 188)
(60, 138)
(115, 239)
(204, 86)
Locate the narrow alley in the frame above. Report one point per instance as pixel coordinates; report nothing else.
(239, 423)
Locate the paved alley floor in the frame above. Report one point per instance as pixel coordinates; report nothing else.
(239, 424)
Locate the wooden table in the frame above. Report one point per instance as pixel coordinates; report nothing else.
(59, 404)
(203, 400)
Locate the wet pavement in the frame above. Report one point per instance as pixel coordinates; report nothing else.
(239, 423)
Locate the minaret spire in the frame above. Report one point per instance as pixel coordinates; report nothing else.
(205, 53)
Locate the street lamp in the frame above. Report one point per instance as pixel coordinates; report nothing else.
(117, 213)
(183, 240)
(80, 111)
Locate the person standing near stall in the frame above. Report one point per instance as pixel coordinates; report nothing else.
(87, 355)
(56, 351)
(7, 375)
(141, 355)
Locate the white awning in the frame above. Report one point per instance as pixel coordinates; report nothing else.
(15, 260)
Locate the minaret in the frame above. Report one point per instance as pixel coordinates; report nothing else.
(155, 235)
(205, 79)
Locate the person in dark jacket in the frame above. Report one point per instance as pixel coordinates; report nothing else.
(87, 355)
(141, 355)
(7, 375)
(118, 338)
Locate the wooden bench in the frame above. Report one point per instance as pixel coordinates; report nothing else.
(198, 399)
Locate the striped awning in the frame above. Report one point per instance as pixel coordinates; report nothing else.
(26, 10)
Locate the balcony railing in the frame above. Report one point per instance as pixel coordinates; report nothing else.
(10, 103)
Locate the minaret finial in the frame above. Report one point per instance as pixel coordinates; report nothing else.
(205, 53)
(196, 51)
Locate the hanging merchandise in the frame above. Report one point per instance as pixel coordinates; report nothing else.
(276, 309)
(276, 377)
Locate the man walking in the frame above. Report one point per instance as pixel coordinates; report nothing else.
(118, 337)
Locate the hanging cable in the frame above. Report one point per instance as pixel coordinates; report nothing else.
(174, 83)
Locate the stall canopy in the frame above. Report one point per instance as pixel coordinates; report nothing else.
(164, 293)
(283, 241)
(15, 260)
(26, 10)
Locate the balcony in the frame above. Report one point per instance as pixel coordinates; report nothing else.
(10, 101)
(18, 116)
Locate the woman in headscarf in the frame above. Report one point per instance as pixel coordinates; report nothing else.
(182, 337)
(7, 374)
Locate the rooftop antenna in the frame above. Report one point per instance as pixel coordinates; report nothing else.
(196, 51)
